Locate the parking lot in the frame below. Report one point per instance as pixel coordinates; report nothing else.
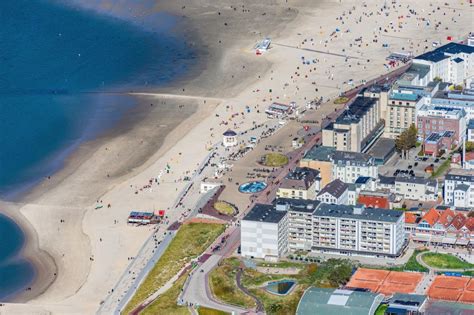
(413, 166)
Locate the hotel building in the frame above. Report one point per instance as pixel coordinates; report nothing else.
(301, 183)
(357, 128)
(459, 188)
(358, 230)
(349, 166)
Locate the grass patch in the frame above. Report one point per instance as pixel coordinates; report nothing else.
(410, 265)
(274, 160)
(330, 274)
(443, 168)
(468, 273)
(381, 309)
(253, 278)
(222, 281)
(166, 303)
(341, 100)
(445, 261)
(224, 208)
(280, 305)
(192, 239)
(210, 311)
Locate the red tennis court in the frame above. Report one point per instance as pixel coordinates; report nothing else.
(448, 288)
(400, 282)
(370, 279)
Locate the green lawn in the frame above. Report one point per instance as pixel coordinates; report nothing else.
(443, 168)
(275, 160)
(411, 265)
(381, 309)
(210, 311)
(222, 281)
(445, 261)
(341, 100)
(224, 208)
(191, 240)
(166, 303)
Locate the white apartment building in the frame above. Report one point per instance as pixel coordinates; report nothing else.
(416, 188)
(264, 232)
(349, 166)
(346, 229)
(300, 222)
(452, 62)
(336, 192)
(459, 188)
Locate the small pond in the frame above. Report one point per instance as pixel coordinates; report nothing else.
(282, 287)
(252, 187)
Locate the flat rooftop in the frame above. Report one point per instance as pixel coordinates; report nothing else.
(319, 153)
(367, 214)
(298, 205)
(382, 148)
(444, 51)
(356, 110)
(264, 213)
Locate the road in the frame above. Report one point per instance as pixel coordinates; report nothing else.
(197, 291)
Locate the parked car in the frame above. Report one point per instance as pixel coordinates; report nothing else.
(436, 160)
(416, 164)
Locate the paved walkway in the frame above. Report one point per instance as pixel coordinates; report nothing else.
(194, 293)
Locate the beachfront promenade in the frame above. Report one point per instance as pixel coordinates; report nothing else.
(150, 252)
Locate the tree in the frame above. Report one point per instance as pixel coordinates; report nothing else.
(470, 214)
(407, 140)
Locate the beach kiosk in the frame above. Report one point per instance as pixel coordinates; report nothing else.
(229, 138)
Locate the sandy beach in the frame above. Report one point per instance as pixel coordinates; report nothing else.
(80, 251)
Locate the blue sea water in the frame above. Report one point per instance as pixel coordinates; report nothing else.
(56, 62)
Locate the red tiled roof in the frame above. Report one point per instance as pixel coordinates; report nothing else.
(469, 224)
(446, 217)
(431, 217)
(410, 218)
(458, 221)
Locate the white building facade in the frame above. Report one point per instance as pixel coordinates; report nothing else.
(264, 233)
(349, 166)
(358, 230)
(459, 188)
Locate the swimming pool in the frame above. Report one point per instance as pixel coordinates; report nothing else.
(282, 287)
(252, 187)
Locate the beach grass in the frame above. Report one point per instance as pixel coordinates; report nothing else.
(280, 305)
(275, 159)
(190, 241)
(166, 303)
(222, 281)
(210, 311)
(224, 208)
(445, 261)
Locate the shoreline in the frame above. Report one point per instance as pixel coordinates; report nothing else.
(189, 134)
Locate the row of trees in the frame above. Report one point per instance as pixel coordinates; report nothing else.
(407, 140)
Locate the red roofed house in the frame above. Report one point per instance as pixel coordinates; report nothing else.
(428, 221)
(457, 223)
(444, 220)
